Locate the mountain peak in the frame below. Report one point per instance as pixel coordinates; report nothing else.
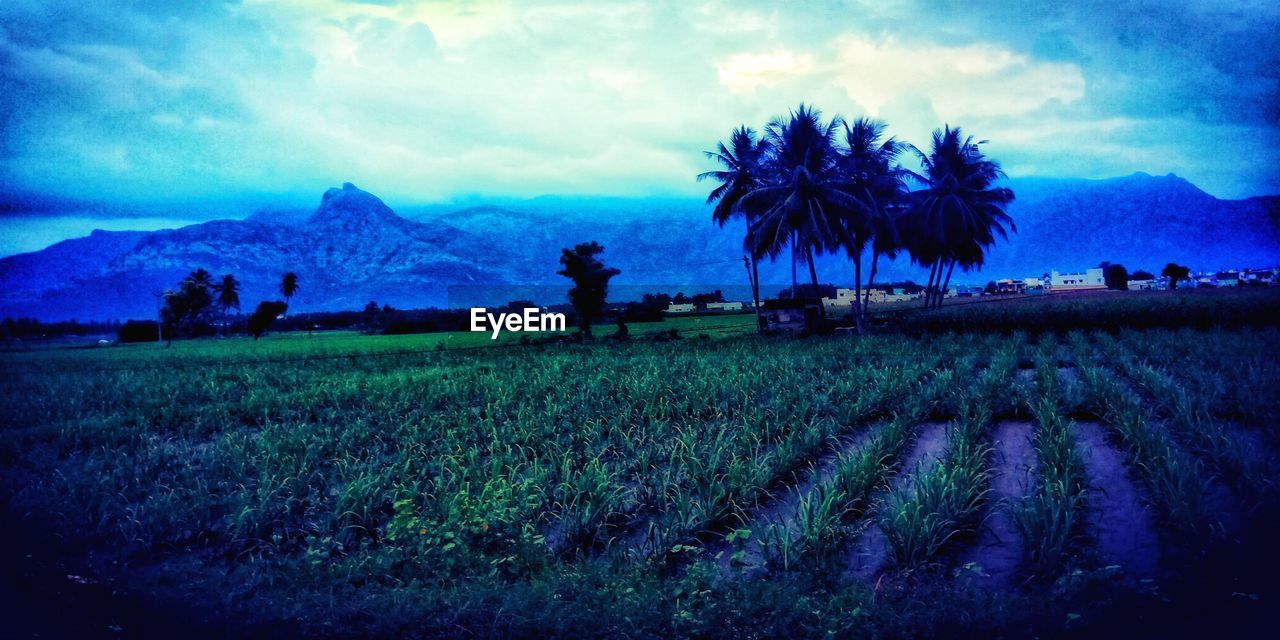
(351, 204)
(1170, 184)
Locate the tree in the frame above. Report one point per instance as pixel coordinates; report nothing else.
(228, 293)
(1142, 275)
(744, 171)
(871, 175)
(958, 213)
(289, 286)
(804, 204)
(189, 303)
(590, 282)
(1115, 276)
(1175, 273)
(264, 316)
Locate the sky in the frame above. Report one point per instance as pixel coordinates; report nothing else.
(164, 104)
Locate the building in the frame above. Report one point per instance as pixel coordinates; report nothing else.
(1261, 277)
(1090, 279)
(901, 295)
(1228, 279)
(680, 308)
(842, 304)
(724, 306)
(1009, 285)
(1142, 285)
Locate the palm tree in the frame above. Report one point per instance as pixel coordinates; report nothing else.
(804, 204)
(959, 212)
(744, 166)
(228, 293)
(201, 278)
(873, 177)
(288, 286)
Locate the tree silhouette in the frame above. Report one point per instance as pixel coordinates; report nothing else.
(590, 282)
(804, 205)
(289, 286)
(872, 176)
(1115, 276)
(263, 317)
(744, 163)
(189, 303)
(1175, 272)
(958, 213)
(228, 293)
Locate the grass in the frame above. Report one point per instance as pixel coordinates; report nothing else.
(1050, 518)
(381, 484)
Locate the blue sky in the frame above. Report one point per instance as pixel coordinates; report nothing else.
(161, 102)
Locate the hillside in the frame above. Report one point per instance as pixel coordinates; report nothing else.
(353, 248)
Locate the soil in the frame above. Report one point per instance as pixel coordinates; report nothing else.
(870, 553)
(1117, 518)
(998, 550)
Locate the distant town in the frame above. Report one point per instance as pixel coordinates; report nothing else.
(842, 302)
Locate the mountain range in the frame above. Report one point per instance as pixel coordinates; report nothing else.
(354, 248)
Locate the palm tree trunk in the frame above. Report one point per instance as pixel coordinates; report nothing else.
(857, 290)
(794, 292)
(753, 276)
(813, 271)
(871, 278)
(946, 283)
(928, 288)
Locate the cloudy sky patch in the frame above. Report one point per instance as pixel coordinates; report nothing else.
(158, 101)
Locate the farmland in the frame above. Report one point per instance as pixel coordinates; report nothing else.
(1003, 479)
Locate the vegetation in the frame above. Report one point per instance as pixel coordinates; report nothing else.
(264, 316)
(288, 286)
(1115, 276)
(381, 485)
(805, 187)
(590, 282)
(189, 304)
(1175, 273)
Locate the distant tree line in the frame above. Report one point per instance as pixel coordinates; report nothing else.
(28, 328)
(201, 306)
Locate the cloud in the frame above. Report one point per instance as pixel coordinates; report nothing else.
(425, 101)
(978, 79)
(744, 72)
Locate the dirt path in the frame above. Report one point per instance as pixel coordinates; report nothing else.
(869, 554)
(1116, 517)
(998, 551)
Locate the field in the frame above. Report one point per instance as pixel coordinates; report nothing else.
(1002, 481)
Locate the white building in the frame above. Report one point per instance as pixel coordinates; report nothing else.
(680, 308)
(724, 306)
(1090, 279)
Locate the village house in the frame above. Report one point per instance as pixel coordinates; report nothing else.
(1142, 285)
(724, 306)
(1258, 277)
(1009, 285)
(1090, 279)
(1227, 279)
(842, 304)
(680, 308)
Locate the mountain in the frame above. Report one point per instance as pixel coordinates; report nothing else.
(354, 248)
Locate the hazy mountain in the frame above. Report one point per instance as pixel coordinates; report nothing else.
(353, 248)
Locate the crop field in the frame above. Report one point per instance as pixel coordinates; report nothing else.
(967, 484)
